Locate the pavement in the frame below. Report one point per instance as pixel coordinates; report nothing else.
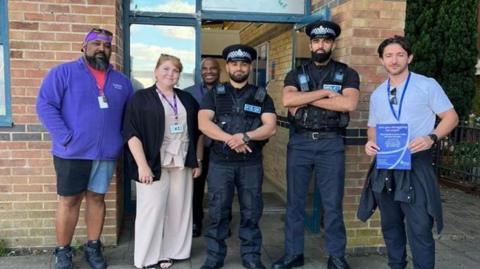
(458, 247)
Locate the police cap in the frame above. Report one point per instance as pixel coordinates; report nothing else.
(239, 52)
(323, 29)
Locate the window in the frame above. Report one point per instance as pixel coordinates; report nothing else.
(169, 6)
(145, 50)
(5, 112)
(258, 6)
(260, 68)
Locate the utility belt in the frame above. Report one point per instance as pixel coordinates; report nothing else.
(321, 133)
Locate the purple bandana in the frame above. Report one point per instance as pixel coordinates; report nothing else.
(97, 35)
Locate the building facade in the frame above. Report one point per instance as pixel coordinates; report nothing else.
(36, 35)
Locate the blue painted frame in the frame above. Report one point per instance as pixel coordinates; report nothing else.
(195, 20)
(5, 120)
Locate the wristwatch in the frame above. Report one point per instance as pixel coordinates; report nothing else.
(434, 138)
(246, 138)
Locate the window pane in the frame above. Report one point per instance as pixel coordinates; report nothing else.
(2, 83)
(260, 6)
(173, 6)
(147, 42)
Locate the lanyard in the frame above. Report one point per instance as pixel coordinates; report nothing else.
(400, 105)
(174, 105)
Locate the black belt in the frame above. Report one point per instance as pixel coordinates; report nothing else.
(319, 135)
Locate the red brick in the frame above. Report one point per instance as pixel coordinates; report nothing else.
(70, 18)
(72, 1)
(17, 73)
(39, 162)
(13, 145)
(16, 25)
(41, 179)
(50, 188)
(25, 119)
(42, 197)
(39, 55)
(89, 10)
(93, 19)
(101, 2)
(16, 54)
(55, 8)
(24, 45)
(32, 73)
(26, 171)
(368, 33)
(12, 162)
(17, 63)
(27, 188)
(69, 37)
(39, 17)
(5, 188)
(26, 81)
(39, 145)
(66, 56)
(13, 197)
(54, 27)
(22, 6)
(38, 36)
(109, 11)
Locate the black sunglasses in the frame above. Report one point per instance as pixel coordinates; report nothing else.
(101, 31)
(393, 96)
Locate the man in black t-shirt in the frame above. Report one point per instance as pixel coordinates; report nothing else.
(239, 118)
(318, 96)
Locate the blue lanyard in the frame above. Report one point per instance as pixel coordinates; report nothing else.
(400, 105)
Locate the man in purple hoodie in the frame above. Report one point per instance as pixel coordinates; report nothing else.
(81, 104)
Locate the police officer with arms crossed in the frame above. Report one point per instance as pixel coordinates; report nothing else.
(319, 96)
(408, 198)
(210, 72)
(239, 118)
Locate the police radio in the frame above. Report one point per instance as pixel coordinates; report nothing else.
(220, 89)
(303, 80)
(260, 95)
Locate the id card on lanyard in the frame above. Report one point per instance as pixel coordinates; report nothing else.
(393, 139)
(175, 128)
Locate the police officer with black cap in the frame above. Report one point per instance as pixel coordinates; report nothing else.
(319, 96)
(239, 118)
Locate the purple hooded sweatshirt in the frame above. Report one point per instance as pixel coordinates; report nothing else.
(68, 107)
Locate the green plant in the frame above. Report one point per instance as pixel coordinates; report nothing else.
(443, 34)
(467, 155)
(3, 248)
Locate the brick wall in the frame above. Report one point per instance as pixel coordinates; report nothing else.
(43, 34)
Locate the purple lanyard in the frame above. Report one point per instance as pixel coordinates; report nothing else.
(400, 105)
(174, 105)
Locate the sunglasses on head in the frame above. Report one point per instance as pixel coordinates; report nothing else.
(393, 96)
(101, 31)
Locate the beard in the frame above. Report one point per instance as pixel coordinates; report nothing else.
(99, 60)
(239, 78)
(395, 72)
(321, 57)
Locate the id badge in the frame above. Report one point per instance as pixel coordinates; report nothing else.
(252, 109)
(102, 102)
(176, 128)
(333, 87)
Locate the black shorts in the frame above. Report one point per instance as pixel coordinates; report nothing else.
(72, 175)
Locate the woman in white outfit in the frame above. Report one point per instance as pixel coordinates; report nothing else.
(161, 132)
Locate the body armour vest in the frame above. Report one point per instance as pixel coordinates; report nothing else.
(314, 118)
(235, 114)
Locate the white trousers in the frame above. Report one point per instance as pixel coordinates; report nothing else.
(163, 224)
